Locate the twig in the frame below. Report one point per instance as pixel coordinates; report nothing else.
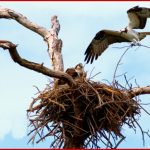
(122, 47)
(94, 75)
(144, 46)
(143, 138)
(119, 142)
(98, 96)
(114, 76)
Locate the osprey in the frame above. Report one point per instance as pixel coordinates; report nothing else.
(137, 20)
(75, 72)
(79, 68)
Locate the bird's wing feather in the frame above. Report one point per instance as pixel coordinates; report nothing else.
(101, 42)
(138, 17)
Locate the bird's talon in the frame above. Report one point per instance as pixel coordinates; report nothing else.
(132, 44)
(138, 44)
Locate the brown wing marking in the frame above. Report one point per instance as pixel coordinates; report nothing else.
(138, 17)
(100, 43)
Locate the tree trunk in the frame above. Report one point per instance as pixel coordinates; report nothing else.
(74, 142)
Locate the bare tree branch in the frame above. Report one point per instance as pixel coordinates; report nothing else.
(51, 37)
(138, 91)
(34, 66)
(11, 14)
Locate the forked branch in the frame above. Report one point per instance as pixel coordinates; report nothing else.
(51, 37)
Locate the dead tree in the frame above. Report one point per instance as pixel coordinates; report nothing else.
(78, 112)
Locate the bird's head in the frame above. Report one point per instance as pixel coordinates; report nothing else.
(79, 66)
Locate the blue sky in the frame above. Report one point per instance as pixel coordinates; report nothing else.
(80, 21)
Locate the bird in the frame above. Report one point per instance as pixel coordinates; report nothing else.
(76, 72)
(79, 68)
(137, 20)
(72, 72)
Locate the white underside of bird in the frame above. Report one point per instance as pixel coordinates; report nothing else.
(132, 35)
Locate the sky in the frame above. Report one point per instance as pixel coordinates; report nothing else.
(80, 21)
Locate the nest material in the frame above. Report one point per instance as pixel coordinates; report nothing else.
(91, 109)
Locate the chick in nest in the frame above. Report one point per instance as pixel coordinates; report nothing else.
(80, 70)
(76, 72)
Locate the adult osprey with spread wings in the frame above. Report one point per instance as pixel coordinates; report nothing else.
(137, 20)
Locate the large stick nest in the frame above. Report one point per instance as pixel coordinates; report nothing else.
(94, 110)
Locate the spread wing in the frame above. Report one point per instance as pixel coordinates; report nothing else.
(138, 17)
(101, 42)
